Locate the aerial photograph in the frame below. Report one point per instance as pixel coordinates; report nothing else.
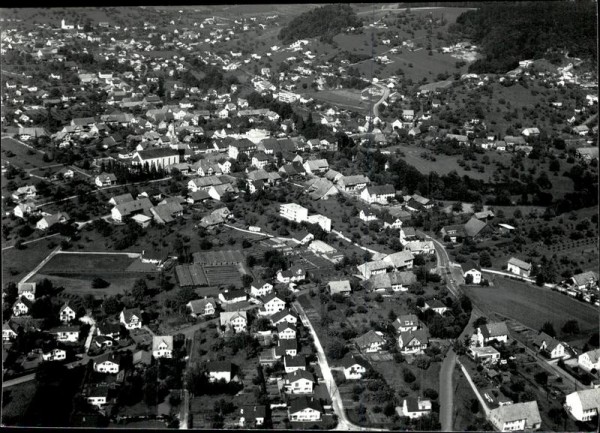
(332, 216)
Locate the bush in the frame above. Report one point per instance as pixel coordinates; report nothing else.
(408, 376)
(99, 283)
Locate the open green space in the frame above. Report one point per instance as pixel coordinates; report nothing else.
(23, 156)
(17, 263)
(532, 305)
(15, 401)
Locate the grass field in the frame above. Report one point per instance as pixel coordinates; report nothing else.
(532, 305)
(75, 273)
(346, 98)
(21, 156)
(17, 263)
(15, 401)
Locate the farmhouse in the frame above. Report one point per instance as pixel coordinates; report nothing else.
(517, 416)
(518, 267)
(294, 274)
(402, 260)
(27, 290)
(25, 192)
(23, 209)
(589, 360)
(66, 313)
(341, 287)
(353, 183)
(376, 267)
(119, 199)
(48, 221)
(299, 382)
(105, 179)
(316, 166)
(131, 208)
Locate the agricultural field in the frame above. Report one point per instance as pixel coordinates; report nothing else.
(345, 99)
(75, 272)
(532, 305)
(15, 401)
(223, 275)
(21, 156)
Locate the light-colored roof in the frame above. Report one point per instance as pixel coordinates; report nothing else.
(590, 398)
(495, 329)
(594, 355)
(585, 278)
(369, 338)
(519, 263)
(518, 411)
(339, 286)
(400, 258)
(227, 316)
(157, 340)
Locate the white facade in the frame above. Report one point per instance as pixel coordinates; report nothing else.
(583, 405)
(107, 367)
(475, 274)
(293, 212)
(307, 414)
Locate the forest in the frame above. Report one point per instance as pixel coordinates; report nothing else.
(324, 22)
(508, 32)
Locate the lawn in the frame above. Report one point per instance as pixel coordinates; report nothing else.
(84, 263)
(345, 99)
(24, 157)
(17, 263)
(532, 305)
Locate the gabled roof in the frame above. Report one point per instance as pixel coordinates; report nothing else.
(157, 340)
(269, 297)
(585, 278)
(305, 402)
(420, 335)
(474, 226)
(369, 338)
(300, 374)
(495, 329)
(160, 152)
(352, 360)
(281, 314)
(219, 366)
(129, 313)
(400, 258)
(590, 398)
(469, 265)
(381, 190)
(518, 411)
(199, 305)
(123, 198)
(227, 316)
(294, 361)
(520, 264)
(129, 207)
(406, 320)
(285, 325)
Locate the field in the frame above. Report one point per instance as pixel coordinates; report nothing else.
(15, 401)
(223, 275)
(17, 263)
(75, 272)
(346, 98)
(21, 157)
(533, 306)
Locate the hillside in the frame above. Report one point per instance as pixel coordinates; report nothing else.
(324, 22)
(509, 32)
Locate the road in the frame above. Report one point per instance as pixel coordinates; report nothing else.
(31, 241)
(336, 399)
(386, 93)
(447, 391)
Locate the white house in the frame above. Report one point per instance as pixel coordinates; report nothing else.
(21, 306)
(219, 370)
(131, 318)
(305, 409)
(299, 382)
(472, 269)
(235, 320)
(27, 290)
(284, 316)
(65, 334)
(583, 405)
(354, 367)
(66, 313)
(202, 307)
(293, 212)
(371, 342)
(49, 220)
(286, 331)
(98, 396)
(380, 194)
(518, 267)
(415, 407)
(108, 363)
(497, 331)
(406, 322)
(162, 346)
(260, 288)
(589, 360)
(105, 179)
(413, 341)
(55, 355)
(292, 275)
(517, 416)
(272, 303)
(549, 345)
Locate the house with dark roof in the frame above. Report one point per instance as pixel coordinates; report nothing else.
(131, 318)
(167, 212)
(355, 366)
(108, 363)
(380, 194)
(548, 345)
(473, 270)
(371, 342)
(299, 382)
(22, 306)
(413, 341)
(252, 415)
(284, 316)
(495, 331)
(202, 307)
(305, 409)
(105, 179)
(476, 229)
(453, 233)
(406, 322)
(293, 363)
(219, 370)
(158, 157)
(131, 208)
(120, 199)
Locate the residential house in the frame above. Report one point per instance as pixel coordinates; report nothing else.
(413, 341)
(232, 296)
(284, 316)
(406, 323)
(316, 166)
(453, 233)
(23, 209)
(131, 208)
(272, 303)
(27, 290)
(97, 396)
(305, 409)
(22, 306)
(167, 212)
(108, 363)
(485, 354)
(371, 342)
(219, 370)
(24, 193)
(159, 157)
(105, 179)
(65, 334)
(375, 267)
(294, 274)
(293, 363)
(583, 405)
(108, 329)
(420, 247)
(518, 267)
(436, 305)
(236, 320)
(473, 270)
(162, 346)
(303, 237)
(495, 331)
(380, 194)
(339, 287)
(589, 360)
(402, 260)
(202, 307)
(477, 229)
(66, 313)
(260, 288)
(299, 382)
(9, 331)
(415, 408)
(252, 416)
(353, 183)
(286, 331)
(517, 416)
(50, 220)
(549, 345)
(367, 216)
(131, 318)
(120, 199)
(54, 355)
(586, 280)
(355, 366)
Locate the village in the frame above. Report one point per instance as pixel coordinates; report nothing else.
(195, 238)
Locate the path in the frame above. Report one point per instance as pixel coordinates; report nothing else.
(486, 410)
(41, 265)
(341, 236)
(336, 399)
(386, 93)
(32, 241)
(447, 391)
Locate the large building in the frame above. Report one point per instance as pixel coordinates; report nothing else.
(293, 212)
(160, 157)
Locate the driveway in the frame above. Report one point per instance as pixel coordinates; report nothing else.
(447, 391)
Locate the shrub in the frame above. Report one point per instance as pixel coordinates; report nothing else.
(99, 283)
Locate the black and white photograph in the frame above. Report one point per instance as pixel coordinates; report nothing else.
(300, 216)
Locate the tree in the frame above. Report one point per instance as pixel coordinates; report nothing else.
(138, 292)
(485, 261)
(112, 305)
(571, 327)
(541, 378)
(337, 349)
(185, 295)
(99, 283)
(548, 328)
